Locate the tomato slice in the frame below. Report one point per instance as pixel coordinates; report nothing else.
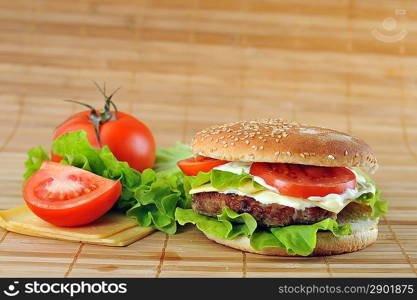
(303, 181)
(68, 196)
(191, 166)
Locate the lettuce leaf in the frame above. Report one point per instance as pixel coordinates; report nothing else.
(150, 197)
(379, 207)
(167, 158)
(222, 227)
(295, 239)
(157, 198)
(302, 239)
(36, 156)
(222, 180)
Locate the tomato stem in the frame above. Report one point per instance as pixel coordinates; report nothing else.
(105, 115)
(96, 123)
(108, 102)
(93, 110)
(116, 111)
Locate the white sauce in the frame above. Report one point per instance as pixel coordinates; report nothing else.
(332, 202)
(236, 167)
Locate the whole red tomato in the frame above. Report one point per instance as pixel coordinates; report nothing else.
(129, 139)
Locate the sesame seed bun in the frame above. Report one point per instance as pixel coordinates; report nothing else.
(364, 234)
(278, 141)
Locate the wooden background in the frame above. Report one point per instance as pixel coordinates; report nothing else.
(187, 64)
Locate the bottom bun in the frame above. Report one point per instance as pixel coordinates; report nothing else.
(364, 233)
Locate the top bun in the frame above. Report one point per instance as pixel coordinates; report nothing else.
(278, 141)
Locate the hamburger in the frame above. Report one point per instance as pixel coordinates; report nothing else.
(282, 188)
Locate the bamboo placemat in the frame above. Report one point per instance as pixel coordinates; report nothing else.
(187, 64)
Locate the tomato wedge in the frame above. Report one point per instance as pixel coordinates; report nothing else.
(191, 166)
(68, 196)
(303, 181)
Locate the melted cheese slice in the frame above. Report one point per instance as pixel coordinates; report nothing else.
(113, 229)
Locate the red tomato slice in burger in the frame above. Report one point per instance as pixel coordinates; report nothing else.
(68, 196)
(191, 166)
(303, 181)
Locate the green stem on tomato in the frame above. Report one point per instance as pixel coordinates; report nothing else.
(105, 115)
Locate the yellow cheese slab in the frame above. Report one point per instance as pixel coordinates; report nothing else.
(107, 225)
(113, 229)
(119, 239)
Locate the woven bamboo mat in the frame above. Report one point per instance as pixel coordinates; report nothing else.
(187, 64)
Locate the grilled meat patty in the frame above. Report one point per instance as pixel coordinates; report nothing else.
(272, 215)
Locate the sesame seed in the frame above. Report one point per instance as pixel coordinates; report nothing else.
(277, 153)
(254, 147)
(261, 148)
(330, 156)
(302, 155)
(285, 134)
(346, 152)
(247, 142)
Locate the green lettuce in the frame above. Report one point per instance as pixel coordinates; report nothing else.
(150, 197)
(167, 158)
(223, 180)
(222, 227)
(36, 156)
(379, 207)
(157, 197)
(295, 239)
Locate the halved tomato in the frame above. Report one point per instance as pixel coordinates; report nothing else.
(68, 196)
(303, 181)
(191, 166)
